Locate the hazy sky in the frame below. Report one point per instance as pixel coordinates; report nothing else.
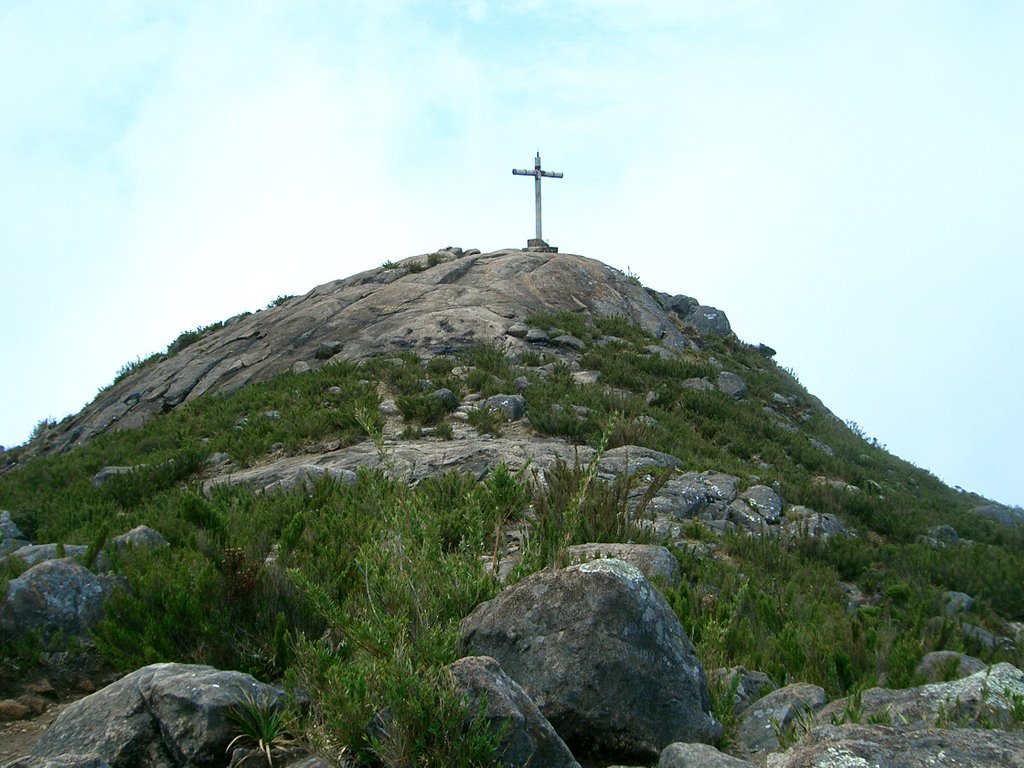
(844, 179)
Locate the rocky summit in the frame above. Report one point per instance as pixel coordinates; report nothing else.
(431, 305)
(479, 509)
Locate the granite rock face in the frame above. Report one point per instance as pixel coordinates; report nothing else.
(440, 309)
(864, 746)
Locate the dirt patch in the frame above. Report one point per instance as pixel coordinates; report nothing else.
(38, 695)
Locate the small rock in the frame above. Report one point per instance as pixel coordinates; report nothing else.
(518, 330)
(569, 342)
(447, 397)
(327, 350)
(537, 336)
(701, 385)
(102, 477)
(300, 366)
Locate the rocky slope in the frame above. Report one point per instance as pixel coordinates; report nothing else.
(431, 304)
(736, 525)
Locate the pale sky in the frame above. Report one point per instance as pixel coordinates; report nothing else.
(843, 179)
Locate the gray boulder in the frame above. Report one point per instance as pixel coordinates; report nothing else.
(750, 685)
(886, 747)
(140, 536)
(655, 562)
(55, 597)
(987, 696)
(706, 320)
(106, 474)
(603, 656)
(765, 502)
(631, 459)
(680, 755)
(956, 603)
(527, 738)
(9, 533)
(765, 719)
(512, 407)
(1009, 516)
(33, 554)
(732, 385)
(803, 522)
(162, 715)
(942, 666)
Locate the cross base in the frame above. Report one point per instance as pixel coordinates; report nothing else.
(537, 245)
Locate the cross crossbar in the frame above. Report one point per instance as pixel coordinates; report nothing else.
(537, 174)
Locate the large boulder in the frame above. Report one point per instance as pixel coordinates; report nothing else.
(55, 597)
(527, 738)
(159, 716)
(603, 656)
(986, 697)
(885, 746)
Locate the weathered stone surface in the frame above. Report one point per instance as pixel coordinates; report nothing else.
(804, 522)
(941, 666)
(764, 501)
(984, 696)
(56, 596)
(761, 723)
(512, 407)
(750, 685)
(880, 746)
(706, 320)
(104, 475)
(140, 536)
(162, 715)
(568, 341)
(328, 349)
(732, 385)
(410, 460)
(631, 459)
(1003, 515)
(33, 554)
(528, 738)
(701, 385)
(602, 655)
(8, 529)
(680, 755)
(655, 562)
(439, 310)
(956, 603)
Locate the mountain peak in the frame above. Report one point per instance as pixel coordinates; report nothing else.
(431, 304)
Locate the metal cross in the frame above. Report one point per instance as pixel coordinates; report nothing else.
(537, 173)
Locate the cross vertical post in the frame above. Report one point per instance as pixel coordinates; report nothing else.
(537, 173)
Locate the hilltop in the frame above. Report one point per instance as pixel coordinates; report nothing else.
(326, 494)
